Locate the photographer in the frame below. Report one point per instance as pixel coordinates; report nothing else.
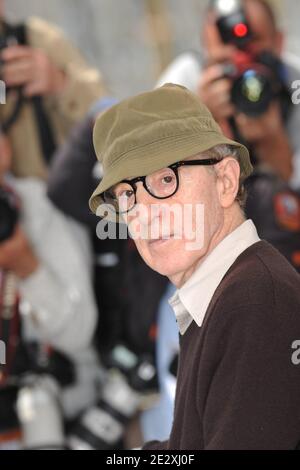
(123, 286)
(267, 123)
(49, 88)
(57, 292)
(45, 267)
(275, 141)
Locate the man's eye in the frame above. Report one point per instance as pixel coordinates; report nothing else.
(167, 179)
(125, 194)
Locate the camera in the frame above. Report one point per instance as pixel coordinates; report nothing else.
(30, 404)
(256, 79)
(256, 82)
(39, 413)
(17, 35)
(130, 385)
(9, 214)
(232, 22)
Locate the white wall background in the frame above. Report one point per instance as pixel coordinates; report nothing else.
(114, 34)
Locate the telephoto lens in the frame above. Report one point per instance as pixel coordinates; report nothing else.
(130, 385)
(253, 90)
(40, 415)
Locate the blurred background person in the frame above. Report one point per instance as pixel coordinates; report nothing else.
(49, 88)
(124, 287)
(266, 131)
(246, 81)
(47, 302)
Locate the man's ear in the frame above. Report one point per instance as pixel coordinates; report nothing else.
(228, 176)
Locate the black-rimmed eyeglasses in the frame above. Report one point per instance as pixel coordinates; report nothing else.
(162, 184)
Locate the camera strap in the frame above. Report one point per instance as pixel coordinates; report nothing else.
(9, 321)
(43, 125)
(44, 129)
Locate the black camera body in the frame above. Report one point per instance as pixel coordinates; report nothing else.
(11, 35)
(232, 23)
(256, 79)
(9, 214)
(130, 385)
(256, 82)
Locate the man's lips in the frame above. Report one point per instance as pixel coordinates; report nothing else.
(160, 240)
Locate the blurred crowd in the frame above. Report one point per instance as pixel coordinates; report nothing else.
(91, 343)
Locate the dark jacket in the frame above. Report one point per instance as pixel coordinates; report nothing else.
(238, 387)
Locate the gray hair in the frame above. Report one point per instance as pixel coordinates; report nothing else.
(220, 152)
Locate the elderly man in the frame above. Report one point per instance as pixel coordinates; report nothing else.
(237, 302)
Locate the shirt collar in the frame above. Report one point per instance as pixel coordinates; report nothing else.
(191, 301)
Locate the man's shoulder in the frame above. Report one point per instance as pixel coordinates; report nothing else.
(261, 276)
(262, 257)
(260, 292)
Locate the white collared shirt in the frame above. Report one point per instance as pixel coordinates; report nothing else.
(191, 301)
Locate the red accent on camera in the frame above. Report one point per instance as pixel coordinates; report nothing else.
(240, 30)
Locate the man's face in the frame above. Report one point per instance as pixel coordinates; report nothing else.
(170, 256)
(265, 35)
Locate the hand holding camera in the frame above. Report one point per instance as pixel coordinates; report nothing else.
(245, 83)
(32, 69)
(16, 254)
(215, 91)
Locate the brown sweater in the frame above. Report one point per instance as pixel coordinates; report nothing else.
(237, 386)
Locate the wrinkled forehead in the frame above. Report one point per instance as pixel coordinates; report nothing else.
(163, 169)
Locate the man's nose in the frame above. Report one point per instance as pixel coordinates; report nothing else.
(145, 203)
(148, 210)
